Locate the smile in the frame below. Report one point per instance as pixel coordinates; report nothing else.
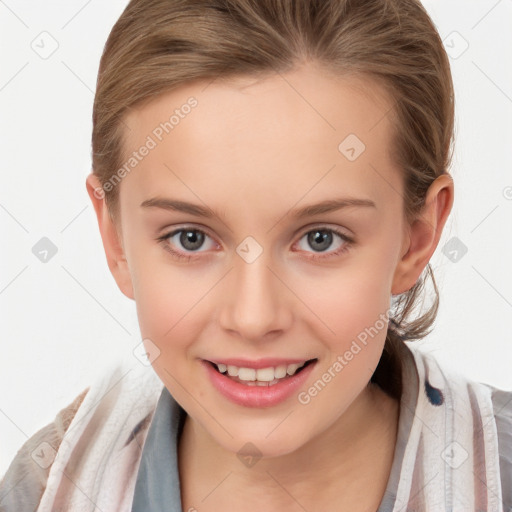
(262, 376)
(266, 386)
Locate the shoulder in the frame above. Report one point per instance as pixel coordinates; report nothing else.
(111, 408)
(24, 482)
(502, 403)
(480, 395)
(501, 400)
(470, 402)
(501, 410)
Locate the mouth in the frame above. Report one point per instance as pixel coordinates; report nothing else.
(263, 377)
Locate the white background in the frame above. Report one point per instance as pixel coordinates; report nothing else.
(65, 321)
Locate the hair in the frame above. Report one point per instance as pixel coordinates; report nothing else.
(158, 45)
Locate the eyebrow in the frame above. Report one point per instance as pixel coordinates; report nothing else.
(326, 206)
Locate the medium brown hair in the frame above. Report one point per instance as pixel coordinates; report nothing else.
(158, 45)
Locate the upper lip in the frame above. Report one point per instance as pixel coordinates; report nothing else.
(265, 362)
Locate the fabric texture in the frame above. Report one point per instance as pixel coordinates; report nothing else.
(25, 481)
(117, 444)
(157, 486)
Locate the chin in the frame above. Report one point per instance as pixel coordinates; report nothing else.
(262, 445)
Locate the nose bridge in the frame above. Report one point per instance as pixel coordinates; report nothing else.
(253, 303)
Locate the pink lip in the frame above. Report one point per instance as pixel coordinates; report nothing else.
(257, 396)
(265, 362)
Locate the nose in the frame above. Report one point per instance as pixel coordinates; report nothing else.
(256, 303)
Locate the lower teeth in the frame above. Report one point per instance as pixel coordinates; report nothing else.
(253, 382)
(259, 383)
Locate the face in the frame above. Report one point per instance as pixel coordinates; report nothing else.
(262, 276)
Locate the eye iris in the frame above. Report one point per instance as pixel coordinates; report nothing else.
(322, 237)
(194, 237)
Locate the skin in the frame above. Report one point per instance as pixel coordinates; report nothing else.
(252, 151)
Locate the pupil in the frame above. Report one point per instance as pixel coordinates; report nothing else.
(322, 237)
(191, 240)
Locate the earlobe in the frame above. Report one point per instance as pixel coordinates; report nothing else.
(424, 234)
(111, 238)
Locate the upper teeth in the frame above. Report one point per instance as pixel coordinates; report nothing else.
(262, 374)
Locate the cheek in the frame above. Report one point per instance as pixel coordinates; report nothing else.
(349, 300)
(168, 302)
(167, 312)
(357, 313)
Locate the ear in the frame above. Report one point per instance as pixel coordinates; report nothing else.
(112, 240)
(424, 234)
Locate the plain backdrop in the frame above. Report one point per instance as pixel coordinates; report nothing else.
(64, 321)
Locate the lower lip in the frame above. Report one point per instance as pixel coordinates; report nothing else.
(257, 396)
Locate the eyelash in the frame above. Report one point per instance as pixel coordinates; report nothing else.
(163, 239)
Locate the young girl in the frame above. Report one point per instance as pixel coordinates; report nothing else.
(230, 138)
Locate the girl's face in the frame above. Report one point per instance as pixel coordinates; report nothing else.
(253, 273)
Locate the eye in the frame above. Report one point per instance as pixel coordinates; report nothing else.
(321, 238)
(190, 239)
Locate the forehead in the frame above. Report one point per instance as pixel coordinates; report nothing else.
(296, 133)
